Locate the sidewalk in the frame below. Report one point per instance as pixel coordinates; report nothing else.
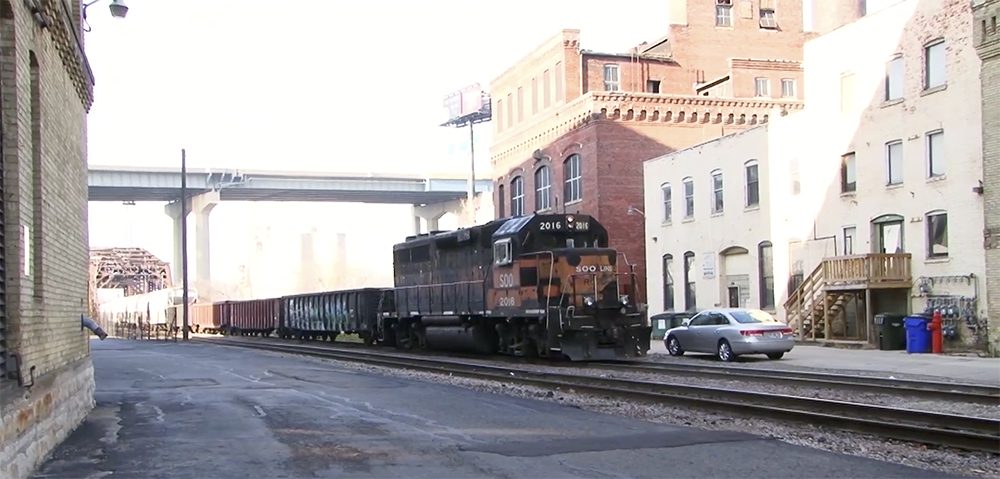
(897, 364)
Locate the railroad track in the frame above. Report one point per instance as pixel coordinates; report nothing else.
(947, 430)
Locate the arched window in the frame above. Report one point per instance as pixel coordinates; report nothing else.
(543, 189)
(765, 273)
(517, 196)
(668, 205)
(752, 183)
(690, 291)
(668, 282)
(573, 172)
(717, 192)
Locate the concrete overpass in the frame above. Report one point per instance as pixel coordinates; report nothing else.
(432, 196)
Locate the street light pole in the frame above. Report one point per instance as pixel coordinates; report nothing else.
(184, 245)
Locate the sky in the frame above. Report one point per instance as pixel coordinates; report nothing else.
(309, 85)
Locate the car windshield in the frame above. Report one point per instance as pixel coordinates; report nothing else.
(752, 316)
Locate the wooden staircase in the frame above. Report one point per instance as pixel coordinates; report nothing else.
(824, 293)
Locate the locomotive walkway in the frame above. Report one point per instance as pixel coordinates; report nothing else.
(178, 411)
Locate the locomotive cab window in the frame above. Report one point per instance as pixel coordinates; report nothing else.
(502, 253)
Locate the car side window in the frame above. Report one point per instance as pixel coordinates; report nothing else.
(700, 320)
(720, 320)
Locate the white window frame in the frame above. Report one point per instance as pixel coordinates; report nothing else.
(895, 77)
(543, 189)
(935, 163)
(718, 192)
(573, 170)
(746, 183)
(612, 77)
(762, 87)
(936, 74)
(503, 253)
(768, 21)
(894, 165)
(517, 196)
(788, 89)
(688, 197)
(667, 196)
(928, 234)
(723, 14)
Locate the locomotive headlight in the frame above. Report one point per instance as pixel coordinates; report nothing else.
(623, 299)
(589, 301)
(569, 220)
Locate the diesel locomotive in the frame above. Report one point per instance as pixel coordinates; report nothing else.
(540, 285)
(545, 285)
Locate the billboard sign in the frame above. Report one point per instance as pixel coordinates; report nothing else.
(464, 102)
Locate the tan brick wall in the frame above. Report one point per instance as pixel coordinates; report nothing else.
(45, 185)
(987, 41)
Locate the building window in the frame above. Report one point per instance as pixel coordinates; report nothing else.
(787, 88)
(767, 19)
(724, 13)
(762, 87)
(517, 196)
(546, 89)
(573, 172)
(668, 204)
(543, 189)
(717, 199)
(534, 96)
(559, 82)
(793, 176)
(611, 78)
(690, 292)
(652, 86)
(520, 104)
(934, 66)
(847, 92)
(850, 233)
(753, 183)
(501, 200)
(937, 234)
(894, 79)
(848, 174)
(689, 197)
(887, 234)
(765, 266)
(935, 154)
(499, 111)
(510, 110)
(668, 282)
(894, 163)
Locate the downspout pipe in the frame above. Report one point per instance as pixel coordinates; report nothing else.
(93, 327)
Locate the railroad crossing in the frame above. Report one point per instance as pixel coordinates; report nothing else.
(431, 195)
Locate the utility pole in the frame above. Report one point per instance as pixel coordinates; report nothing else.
(184, 245)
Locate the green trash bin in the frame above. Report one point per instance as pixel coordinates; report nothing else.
(664, 322)
(891, 333)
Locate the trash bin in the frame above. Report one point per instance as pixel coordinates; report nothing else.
(918, 338)
(891, 333)
(664, 322)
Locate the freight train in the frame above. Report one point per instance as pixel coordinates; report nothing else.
(153, 311)
(543, 285)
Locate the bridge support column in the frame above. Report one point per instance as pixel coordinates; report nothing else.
(432, 213)
(201, 205)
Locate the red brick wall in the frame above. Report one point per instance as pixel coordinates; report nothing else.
(632, 74)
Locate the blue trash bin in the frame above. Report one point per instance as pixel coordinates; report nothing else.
(918, 338)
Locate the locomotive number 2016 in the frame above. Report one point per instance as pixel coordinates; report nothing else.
(505, 281)
(506, 301)
(550, 226)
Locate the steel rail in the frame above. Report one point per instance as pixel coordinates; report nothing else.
(971, 393)
(961, 432)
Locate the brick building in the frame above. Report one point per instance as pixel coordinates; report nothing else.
(46, 86)
(572, 126)
(987, 42)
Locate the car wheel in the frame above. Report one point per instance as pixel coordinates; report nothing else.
(775, 356)
(674, 346)
(726, 351)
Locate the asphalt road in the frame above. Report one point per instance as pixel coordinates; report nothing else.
(179, 411)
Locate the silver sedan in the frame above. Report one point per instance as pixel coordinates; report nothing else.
(729, 333)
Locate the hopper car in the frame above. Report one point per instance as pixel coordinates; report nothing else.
(543, 285)
(153, 311)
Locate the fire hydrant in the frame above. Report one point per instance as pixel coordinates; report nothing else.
(937, 337)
